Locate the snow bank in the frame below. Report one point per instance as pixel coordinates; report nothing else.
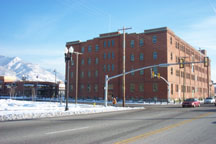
(17, 110)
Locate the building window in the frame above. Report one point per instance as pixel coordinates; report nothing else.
(89, 61)
(89, 88)
(132, 43)
(89, 74)
(96, 48)
(171, 71)
(96, 73)
(132, 72)
(108, 43)
(89, 48)
(154, 39)
(155, 87)
(104, 44)
(71, 87)
(141, 42)
(104, 56)
(72, 74)
(109, 55)
(141, 87)
(83, 49)
(104, 68)
(96, 60)
(72, 62)
(113, 55)
(154, 55)
(170, 40)
(113, 67)
(132, 87)
(142, 72)
(82, 74)
(141, 57)
(177, 88)
(132, 57)
(108, 67)
(113, 43)
(82, 62)
(82, 87)
(171, 56)
(110, 86)
(96, 88)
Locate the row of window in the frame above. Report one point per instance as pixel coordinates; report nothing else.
(141, 87)
(88, 87)
(109, 43)
(190, 89)
(189, 76)
(110, 55)
(94, 87)
(186, 50)
(90, 49)
(106, 68)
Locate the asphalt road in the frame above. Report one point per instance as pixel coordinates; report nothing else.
(167, 124)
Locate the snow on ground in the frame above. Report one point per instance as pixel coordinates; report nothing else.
(17, 110)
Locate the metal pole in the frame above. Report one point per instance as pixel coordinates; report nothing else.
(168, 91)
(184, 81)
(123, 80)
(67, 95)
(208, 80)
(55, 83)
(106, 90)
(77, 55)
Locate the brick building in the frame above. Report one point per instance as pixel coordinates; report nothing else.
(103, 55)
(9, 86)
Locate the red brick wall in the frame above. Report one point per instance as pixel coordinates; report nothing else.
(163, 47)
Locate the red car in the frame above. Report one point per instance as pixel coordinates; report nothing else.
(191, 102)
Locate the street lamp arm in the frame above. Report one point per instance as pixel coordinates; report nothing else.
(78, 53)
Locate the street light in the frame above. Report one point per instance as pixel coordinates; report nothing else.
(67, 54)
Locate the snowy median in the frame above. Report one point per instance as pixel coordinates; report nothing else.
(17, 110)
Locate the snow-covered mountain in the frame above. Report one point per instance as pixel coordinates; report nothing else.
(14, 66)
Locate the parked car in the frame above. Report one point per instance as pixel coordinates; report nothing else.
(191, 102)
(209, 100)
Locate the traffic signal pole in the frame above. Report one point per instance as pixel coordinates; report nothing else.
(107, 78)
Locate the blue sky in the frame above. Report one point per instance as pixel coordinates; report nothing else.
(37, 30)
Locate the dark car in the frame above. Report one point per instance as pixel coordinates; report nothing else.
(191, 102)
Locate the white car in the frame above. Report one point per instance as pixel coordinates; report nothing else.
(209, 100)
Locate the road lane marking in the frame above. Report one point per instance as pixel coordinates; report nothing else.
(67, 130)
(133, 139)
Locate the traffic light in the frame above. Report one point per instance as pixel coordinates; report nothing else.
(158, 75)
(206, 61)
(181, 63)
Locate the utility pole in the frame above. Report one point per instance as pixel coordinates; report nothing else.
(208, 81)
(77, 58)
(123, 67)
